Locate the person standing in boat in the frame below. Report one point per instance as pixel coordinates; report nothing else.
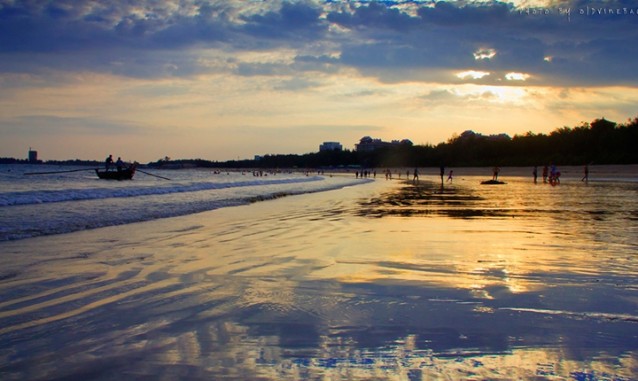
(119, 164)
(108, 162)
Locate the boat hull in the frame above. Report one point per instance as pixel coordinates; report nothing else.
(124, 174)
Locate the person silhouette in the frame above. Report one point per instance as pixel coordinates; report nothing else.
(108, 162)
(585, 173)
(119, 164)
(545, 173)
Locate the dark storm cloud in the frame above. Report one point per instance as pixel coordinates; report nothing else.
(393, 41)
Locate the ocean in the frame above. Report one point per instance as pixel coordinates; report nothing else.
(318, 277)
(34, 203)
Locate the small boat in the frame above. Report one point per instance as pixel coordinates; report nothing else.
(122, 174)
(492, 182)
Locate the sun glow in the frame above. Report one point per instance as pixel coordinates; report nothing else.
(499, 95)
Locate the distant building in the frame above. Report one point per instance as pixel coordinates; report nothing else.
(469, 134)
(330, 146)
(33, 156)
(368, 144)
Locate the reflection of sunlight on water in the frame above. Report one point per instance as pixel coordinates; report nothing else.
(509, 233)
(404, 362)
(450, 253)
(473, 283)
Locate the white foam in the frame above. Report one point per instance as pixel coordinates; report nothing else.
(36, 212)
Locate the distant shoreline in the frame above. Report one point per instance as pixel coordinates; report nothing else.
(602, 172)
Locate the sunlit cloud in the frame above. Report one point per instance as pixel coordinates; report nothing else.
(517, 76)
(484, 54)
(472, 74)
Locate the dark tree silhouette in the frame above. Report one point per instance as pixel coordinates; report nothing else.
(599, 142)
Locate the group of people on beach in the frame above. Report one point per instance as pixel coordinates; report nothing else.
(108, 163)
(415, 174)
(550, 174)
(366, 174)
(553, 176)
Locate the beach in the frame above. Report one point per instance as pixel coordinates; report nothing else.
(386, 279)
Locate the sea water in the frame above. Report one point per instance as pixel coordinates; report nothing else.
(40, 200)
(389, 279)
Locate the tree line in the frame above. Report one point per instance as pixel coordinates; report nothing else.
(599, 142)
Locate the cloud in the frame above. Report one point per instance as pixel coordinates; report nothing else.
(484, 54)
(449, 35)
(472, 74)
(249, 69)
(53, 125)
(293, 21)
(517, 76)
(321, 63)
(297, 84)
(390, 41)
(481, 13)
(373, 16)
(448, 97)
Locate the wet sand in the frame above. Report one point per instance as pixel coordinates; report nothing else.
(387, 280)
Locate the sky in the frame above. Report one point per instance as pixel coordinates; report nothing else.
(230, 79)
